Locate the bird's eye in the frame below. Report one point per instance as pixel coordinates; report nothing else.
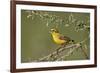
(54, 30)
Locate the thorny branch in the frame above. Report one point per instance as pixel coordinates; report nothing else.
(58, 56)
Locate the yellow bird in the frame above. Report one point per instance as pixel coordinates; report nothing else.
(59, 38)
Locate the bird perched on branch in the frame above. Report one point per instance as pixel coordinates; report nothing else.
(59, 38)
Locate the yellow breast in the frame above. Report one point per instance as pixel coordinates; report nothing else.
(56, 38)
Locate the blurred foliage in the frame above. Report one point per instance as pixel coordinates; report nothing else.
(52, 19)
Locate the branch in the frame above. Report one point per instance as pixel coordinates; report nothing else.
(64, 51)
(66, 55)
(83, 50)
(53, 56)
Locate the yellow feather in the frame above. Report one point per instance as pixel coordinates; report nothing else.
(56, 38)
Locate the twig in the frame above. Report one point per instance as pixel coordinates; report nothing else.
(53, 56)
(85, 54)
(70, 52)
(59, 55)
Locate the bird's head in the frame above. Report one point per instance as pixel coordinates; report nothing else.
(54, 30)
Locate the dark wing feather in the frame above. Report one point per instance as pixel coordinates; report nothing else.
(65, 38)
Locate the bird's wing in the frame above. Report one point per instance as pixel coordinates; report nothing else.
(64, 38)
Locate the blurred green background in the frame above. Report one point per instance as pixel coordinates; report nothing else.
(37, 42)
